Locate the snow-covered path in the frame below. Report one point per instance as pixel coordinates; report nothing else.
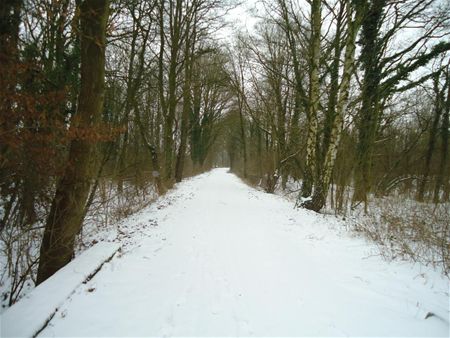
(228, 260)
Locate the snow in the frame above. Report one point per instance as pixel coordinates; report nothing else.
(40, 305)
(215, 257)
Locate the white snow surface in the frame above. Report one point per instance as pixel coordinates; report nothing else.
(30, 314)
(215, 257)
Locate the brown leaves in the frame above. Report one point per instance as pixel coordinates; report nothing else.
(100, 132)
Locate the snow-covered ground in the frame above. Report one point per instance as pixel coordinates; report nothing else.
(38, 307)
(215, 257)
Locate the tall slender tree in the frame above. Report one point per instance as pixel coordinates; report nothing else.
(314, 97)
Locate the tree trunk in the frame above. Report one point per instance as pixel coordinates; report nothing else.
(370, 110)
(445, 125)
(175, 35)
(330, 114)
(153, 153)
(68, 206)
(431, 140)
(189, 49)
(322, 185)
(244, 143)
(310, 167)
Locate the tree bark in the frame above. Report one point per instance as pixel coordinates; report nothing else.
(431, 141)
(310, 167)
(175, 27)
(370, 110)
(322, 185)
(445, 125)
(68, 206)
(243, 139)
(189, 51)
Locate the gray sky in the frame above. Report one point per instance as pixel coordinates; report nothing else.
(240, 18)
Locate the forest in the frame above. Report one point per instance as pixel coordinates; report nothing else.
(341, 105)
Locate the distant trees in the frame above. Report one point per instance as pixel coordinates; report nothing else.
(333, 72)
(385, 69)
(439, 129)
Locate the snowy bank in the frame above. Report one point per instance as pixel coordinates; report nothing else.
(30, 315)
